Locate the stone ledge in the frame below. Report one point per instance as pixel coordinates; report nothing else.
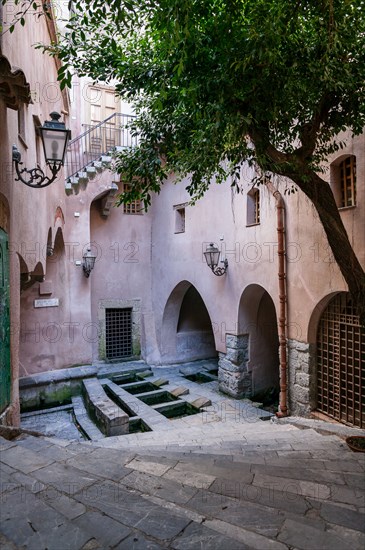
(111, 419)
(61, 375)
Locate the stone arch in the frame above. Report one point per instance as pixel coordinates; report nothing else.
(251, 363)
(187, 333)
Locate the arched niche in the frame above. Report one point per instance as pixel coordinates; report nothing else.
(187, 333)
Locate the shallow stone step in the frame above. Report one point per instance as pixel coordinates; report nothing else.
(91, 172)
(86, 424)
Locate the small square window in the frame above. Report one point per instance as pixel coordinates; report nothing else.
(133, 207)
(180, 220)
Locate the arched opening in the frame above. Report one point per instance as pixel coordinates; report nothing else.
(257, 321)
(42, 314)
(187, 333)
(340, 360)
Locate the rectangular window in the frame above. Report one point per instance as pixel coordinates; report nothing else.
(179, 219)
(253, 207)
(21, 122)
(118, 333)
(348, 181)
(133, 207)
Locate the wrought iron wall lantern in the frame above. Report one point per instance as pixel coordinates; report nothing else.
(212, 258)
(88, 262)
(54, 136)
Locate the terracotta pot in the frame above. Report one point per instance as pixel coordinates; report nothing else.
(356, 443)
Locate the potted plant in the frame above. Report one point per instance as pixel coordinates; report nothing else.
(356, 443)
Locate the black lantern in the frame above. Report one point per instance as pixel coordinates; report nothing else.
(55, 136)
(88, 262)
(212, 258)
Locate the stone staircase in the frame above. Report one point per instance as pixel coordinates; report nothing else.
(253, 486)
(92, 151)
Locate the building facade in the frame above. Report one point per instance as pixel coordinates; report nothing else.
(151, 294)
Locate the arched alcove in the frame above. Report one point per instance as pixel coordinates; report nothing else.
(42, 313)
(187, 333)
(257, 319)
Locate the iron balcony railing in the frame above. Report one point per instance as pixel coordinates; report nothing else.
(97, 141)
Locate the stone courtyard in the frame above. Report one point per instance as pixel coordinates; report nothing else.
(223, 478)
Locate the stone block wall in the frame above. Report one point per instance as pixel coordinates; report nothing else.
(301, 378)
(233, 376)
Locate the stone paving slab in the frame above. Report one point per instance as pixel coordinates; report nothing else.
(26, 462)
(104, 529)
(198, 536)
(294, 532)
(160, 487)
(129, 508)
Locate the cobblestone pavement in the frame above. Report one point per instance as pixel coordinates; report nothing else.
(210, 482)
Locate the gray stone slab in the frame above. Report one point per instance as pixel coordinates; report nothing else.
(132, 510)
(240, 472)
(355, 480)
(347, 495)
(264, 496)
(35, 444)
(65, 478)
(24, 460)
(299, 473)
(67, 506)
(197, 536)
(104, 529)
(148, 466)
(340, 515)
(6, 444)
(160, 487)
(137, 541)
(343, 466)
(28, 521)
(99, 465)
(293, 487)
(243, 514)
(305, 537)
(193, 479)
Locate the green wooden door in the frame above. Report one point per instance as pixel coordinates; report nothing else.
(4, 323)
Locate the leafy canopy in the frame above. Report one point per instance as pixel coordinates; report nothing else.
(217, 82)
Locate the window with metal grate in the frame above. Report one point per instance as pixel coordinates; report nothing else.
(118, 333)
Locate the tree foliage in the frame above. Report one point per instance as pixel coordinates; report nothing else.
(218, 82)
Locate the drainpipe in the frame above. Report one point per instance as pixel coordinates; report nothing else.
(280, 216)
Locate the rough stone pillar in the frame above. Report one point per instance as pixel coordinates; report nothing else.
(233, 376)
(302, 377)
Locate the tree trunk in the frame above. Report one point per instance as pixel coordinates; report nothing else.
(320, 193)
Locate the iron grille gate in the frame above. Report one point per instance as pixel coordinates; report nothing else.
(118, 333)
(341, 363)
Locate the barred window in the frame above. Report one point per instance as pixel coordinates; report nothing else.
(134, 207)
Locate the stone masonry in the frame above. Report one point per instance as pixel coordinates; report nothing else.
(302, 379)
(233, 376)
